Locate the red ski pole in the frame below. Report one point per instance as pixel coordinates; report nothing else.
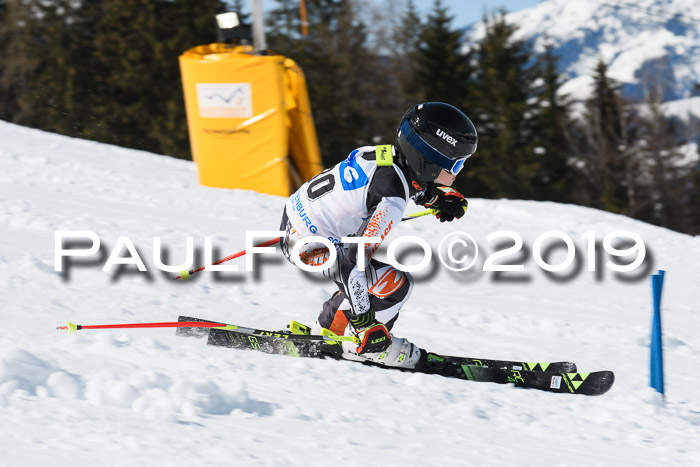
(184, 275)
(179, 324)
(204, 324)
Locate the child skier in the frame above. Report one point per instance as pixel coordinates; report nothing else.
(365, 196)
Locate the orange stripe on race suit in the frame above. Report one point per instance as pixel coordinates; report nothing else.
(375, 225)
(390, 282)
(375, 228)
(340, 322)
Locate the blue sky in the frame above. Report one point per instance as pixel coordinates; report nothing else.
(467, 12)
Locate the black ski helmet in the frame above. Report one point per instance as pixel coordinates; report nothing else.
(435, 136)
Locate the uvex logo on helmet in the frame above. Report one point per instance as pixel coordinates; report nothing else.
(447, 137)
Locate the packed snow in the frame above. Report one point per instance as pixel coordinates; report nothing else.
(149, 397)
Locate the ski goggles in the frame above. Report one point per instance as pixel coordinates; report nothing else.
(453, 166)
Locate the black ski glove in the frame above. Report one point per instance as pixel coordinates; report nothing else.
(449, 203)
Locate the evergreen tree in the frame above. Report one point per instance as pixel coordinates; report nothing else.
(18, 68)
(283, 25)
(504, 164)
(182, 24)
(665, 184)
(108, 70)
(126, 56)
(405, 41)
(348, 83)
(606, 167)
(551, 133)
(441, 69)
(694, 195)
(136, 51)
(62, 52)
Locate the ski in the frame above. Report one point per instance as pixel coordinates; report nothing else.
(501, 372)
(286, 343)
(552, 367)
(589, 384)
(317, 351)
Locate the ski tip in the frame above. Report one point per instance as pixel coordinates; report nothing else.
(607, 379)
(597, 383)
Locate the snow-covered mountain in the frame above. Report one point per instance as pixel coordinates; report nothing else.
(644, 42)
(147, 397)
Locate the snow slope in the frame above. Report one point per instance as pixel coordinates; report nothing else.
(644, 42)
(145, 397)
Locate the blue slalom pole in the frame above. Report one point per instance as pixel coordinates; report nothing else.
(657, 360)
